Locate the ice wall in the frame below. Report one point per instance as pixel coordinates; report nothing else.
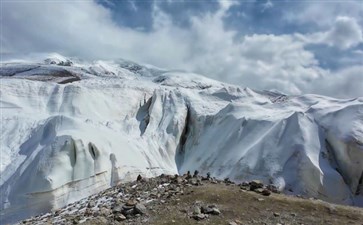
(62, 142)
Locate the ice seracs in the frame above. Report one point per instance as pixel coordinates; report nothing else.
(74, 128)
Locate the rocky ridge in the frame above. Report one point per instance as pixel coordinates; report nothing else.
(130, 203)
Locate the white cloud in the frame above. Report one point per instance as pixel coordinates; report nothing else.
(85, 29)
(344, 34)
(267, 5)
(227, 4)
(322, 13)
(279, 61)
(345, 83)
(358, 52)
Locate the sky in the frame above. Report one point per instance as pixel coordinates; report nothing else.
(293, 46)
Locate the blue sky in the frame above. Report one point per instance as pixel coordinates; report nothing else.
(289, 45)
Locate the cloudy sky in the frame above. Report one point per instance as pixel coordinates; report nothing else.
(287, 45)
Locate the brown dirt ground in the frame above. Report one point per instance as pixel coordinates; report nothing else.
(248, 208)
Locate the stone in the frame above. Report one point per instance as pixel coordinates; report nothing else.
(117, 209)
(232, 223)
(254, 184)
(128, 212)
(164, 180)
(266, 192)
(211, 209)
(119, 217)
(179, 180)
(139, 178)
(215, 211)
(199, 216)
(196, 172)
(244, 186)
(332, 209)
(206, 210)
(105, 211)
(91, 204)
(258, 190)
(140, 209)
(273, 188)
(196, 210)
(131, 202)
(276, 214)
(88, 212)
(193, 181)
(57, 212)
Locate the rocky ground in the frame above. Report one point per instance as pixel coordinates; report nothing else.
(193, 199)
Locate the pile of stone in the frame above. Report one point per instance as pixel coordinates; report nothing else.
(124, 202)
(258, 187)
(131, 202)
(128, 210)
(203, 212)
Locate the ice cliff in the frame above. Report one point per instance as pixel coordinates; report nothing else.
(71, 128)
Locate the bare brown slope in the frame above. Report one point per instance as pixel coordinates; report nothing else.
(187, 200)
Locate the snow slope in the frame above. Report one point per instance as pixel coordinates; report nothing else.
(71, 128)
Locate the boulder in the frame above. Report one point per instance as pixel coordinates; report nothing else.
(140, 209)
(266, 192)
(255, 184)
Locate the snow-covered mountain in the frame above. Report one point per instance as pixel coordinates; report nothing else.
(71, 128)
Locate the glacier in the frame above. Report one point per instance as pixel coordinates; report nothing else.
(71, 128)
